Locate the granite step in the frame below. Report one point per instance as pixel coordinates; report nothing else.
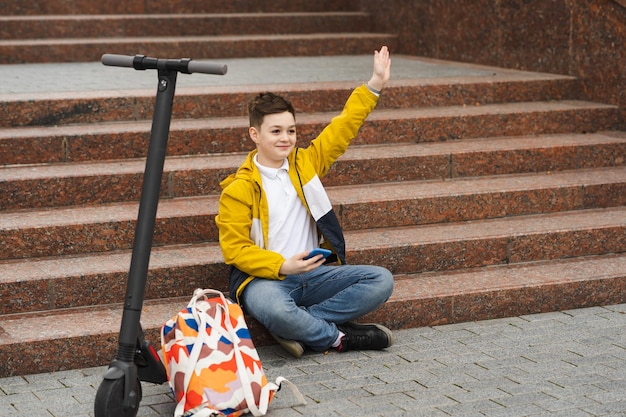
(50, 185)
(78, 7)
(230, 134)
(200, 47)
(209, 97)
(196, 24)
(437, 298)
(458, 245)
(98, 278)
(84, 229)
(87, 336)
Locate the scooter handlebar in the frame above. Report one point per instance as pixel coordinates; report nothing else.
(113, 60)
(141, 62)
(207, 67)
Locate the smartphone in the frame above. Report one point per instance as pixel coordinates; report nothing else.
(319, 251)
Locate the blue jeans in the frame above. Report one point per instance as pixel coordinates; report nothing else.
(307, 307)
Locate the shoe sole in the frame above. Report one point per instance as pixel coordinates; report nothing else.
(294, 348)
(387, 332)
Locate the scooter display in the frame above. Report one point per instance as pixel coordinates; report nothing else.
(119, 393)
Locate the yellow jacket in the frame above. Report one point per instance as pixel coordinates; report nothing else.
(242, 219)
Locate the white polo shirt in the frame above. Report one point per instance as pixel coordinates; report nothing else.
(291, 227)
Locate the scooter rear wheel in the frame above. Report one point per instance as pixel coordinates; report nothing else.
(110, 398)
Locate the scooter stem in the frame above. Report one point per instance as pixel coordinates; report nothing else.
(144, 229)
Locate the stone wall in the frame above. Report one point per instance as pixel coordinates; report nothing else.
(584, 38)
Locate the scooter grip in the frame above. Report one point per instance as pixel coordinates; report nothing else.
(114, 60)
(207, 67)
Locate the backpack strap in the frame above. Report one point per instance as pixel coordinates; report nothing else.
(261, 409)
(202, 318)
(296, 392)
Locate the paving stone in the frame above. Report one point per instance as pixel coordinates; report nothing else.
(18, 399)
(517, 411)
(607, 409)
(481, 406)
(393, 387)
(563, 413)
(8, 410)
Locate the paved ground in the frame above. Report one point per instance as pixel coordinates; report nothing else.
(568, 364)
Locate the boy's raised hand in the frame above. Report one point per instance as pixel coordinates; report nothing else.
(382, 69)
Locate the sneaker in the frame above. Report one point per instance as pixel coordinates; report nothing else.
(364, 337)
(296, 349)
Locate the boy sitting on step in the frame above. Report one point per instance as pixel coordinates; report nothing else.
(274, 210)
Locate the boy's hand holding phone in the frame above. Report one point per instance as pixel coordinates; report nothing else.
(304, 262)
(318, 251)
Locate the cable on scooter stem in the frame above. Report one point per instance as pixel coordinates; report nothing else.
(185, 65)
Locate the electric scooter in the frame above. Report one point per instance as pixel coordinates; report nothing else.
(119, 394)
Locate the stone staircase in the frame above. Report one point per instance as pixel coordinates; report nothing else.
(77, 31)
(487, 196)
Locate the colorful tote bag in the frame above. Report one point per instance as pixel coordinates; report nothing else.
(212, 365)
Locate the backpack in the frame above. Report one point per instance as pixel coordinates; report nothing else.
(212, 365)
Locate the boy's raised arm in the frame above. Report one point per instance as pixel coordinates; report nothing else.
(382, 69)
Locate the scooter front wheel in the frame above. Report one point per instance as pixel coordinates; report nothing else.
(110, 398)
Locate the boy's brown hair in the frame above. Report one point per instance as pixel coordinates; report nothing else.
(267, 103)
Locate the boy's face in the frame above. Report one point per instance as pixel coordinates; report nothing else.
(275, 139)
